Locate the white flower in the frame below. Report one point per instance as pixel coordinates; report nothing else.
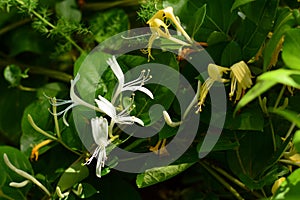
(134, 85)
(100, 135)
(74, 101)
(122, 117)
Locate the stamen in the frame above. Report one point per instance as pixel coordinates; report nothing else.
(95, 154)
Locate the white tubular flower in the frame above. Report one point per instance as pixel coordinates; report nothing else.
(100, 135)
(215, 73)
(134, 85)
(240, 79)
(74, 101)
(122, 117)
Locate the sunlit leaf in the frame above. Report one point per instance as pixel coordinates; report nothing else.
(284, 22)
(296, 141)
(289, 189)
(291, 47)
(74, 174)
(288, 114)
(159, 174)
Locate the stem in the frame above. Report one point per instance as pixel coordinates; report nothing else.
(239, 157)
(37, 70)
(53, 27)
(27, 89)
(223, 182)
(290, 130)
(25, 174)
(234, 180)
(55, 118)
(135, 143)
(67, 147)
(279, 96)
(14, 25)
(214, 23)
(273, 134)
(106, 5)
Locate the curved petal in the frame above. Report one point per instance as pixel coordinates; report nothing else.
(129, 120)
(106, 107)
(140, 88)
(114, 65)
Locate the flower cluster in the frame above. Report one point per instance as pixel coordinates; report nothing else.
(101, 129)
(158, 21)
(240, 76)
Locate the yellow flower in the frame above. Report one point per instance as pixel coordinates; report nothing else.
(240, 79)
(215, 73)
(157, 22)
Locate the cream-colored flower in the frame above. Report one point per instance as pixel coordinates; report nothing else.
(215, 73)
(240, 79)
(157, 22)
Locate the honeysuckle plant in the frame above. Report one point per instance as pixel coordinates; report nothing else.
(42, 156)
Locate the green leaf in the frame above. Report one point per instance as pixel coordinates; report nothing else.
(288, 114)
(12, 104)
(8, 176)
(216, 37)
(225, 142)
(238, 3)
(283, 76)
(284, 22)
(291, 49)
(258, 89)
(68, 10)
(159, 174)
(27, 40)
(296, 140)
(13, 74)
(72, 175)
(248, 161)
(231, 54)
(267, 80)
(289, 189)
(251, 118)
(198, 16)
(254, 29)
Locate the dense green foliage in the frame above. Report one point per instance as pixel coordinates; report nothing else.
(43, 43)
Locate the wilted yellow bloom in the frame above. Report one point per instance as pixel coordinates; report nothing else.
(277, 184)
(157, 22)
(240, 79)
(215, 73)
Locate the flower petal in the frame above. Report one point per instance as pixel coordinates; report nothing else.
(100, 131)
(129, 120)
(140, 88)
(100, 161)
(106, 107)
